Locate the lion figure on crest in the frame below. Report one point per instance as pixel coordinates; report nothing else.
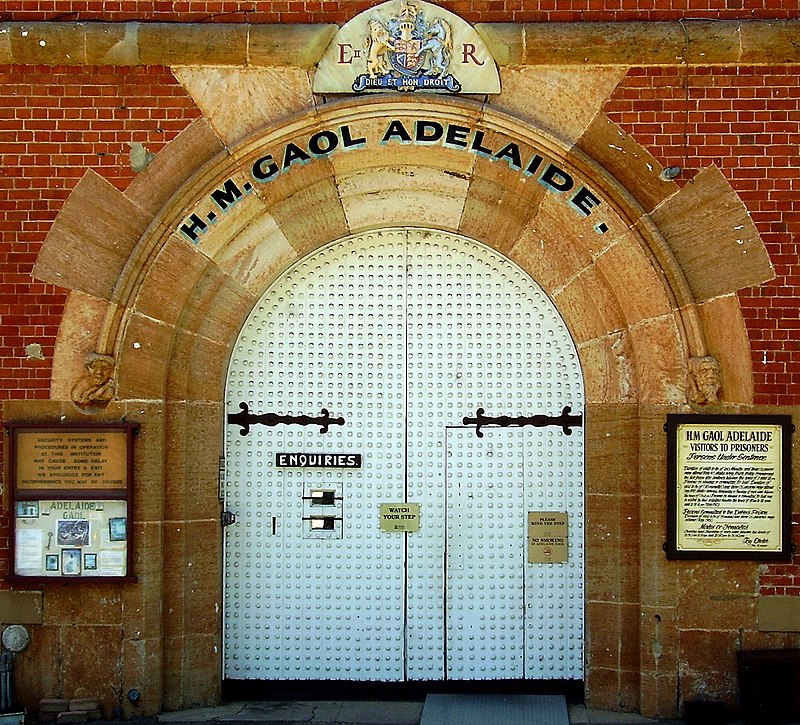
(377, 46)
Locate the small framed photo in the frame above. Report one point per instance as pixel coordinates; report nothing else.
(70, 562)
(72, 532)
(27, 509)
(90, 562)
(51, 562)
(118, 529)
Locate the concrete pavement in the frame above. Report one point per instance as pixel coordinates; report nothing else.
(358, 712)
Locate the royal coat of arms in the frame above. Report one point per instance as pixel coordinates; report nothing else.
(408, 52)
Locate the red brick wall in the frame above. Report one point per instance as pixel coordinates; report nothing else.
(331, 11)
(55, 123)
(783, 579)
(747, 122)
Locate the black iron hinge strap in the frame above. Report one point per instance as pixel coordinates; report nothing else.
(245, 419)
(565, 421)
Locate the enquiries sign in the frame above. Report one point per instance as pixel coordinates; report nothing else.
(729, 493)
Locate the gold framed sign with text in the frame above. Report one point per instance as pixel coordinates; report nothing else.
(729, 487)
(71, 498)
(548, 537)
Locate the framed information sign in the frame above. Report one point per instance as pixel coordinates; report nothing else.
(729, 487)
(71, 500)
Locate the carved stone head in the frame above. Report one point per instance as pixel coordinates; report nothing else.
(704, 380)
(96, 388)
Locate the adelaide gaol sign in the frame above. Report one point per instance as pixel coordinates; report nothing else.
(403, 45)
(72, 495)
(729, 494)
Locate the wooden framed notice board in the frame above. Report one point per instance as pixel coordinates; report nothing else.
(729, 487)
(71, 494)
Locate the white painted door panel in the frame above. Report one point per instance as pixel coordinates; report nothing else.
(554, 593)
(485, 616)
(302, 604)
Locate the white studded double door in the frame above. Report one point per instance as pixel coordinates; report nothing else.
(401, 333)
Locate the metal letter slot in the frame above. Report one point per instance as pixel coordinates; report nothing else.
(323, 497)
(322, 523)
(323, 509)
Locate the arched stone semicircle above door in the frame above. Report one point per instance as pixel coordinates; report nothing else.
(165, 273)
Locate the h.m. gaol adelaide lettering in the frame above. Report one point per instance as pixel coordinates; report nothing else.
(270, 166)
(726, 445)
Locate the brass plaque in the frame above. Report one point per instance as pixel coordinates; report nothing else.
(547, 537)
(400, 517)
(76, 459)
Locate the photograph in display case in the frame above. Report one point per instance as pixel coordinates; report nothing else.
(118, 529)
(27, 509)
(72, 533)
(70, 562)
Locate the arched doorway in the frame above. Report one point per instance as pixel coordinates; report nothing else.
(402, 333)
(171, 311)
